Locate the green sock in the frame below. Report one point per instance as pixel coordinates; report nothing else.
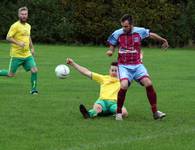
(34, 81)
(92, 113)
(3, 72)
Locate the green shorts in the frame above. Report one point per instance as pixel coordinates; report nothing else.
(27, 63)
(108, 106)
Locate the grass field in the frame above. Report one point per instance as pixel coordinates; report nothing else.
(51, 120)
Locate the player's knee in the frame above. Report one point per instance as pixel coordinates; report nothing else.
(149, 83)
(34, 70)
(98, 108)
(124, 84)
(146, 82)
(125, 87)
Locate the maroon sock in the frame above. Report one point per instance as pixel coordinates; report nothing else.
(120, 100)
(151, 94)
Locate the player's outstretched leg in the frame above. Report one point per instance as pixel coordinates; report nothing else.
(151, 94)
(84, 111)
(152, 98)
(34, 71)
(97, 109)
(121, 99)
(3, 72)
(120, 102)
(34, 83)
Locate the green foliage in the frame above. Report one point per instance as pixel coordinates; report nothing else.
(92, 21)
(191, 19)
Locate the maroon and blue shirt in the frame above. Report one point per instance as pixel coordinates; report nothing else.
(129, 44)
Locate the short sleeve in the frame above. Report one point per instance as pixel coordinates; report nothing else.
(12, 31)
(112, 40)
(143, 32)
(97, 77)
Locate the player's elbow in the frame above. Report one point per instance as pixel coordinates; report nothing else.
(8, 38)
(152, 35)
(87, 73)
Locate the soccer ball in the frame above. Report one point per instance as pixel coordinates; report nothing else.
(62, 71)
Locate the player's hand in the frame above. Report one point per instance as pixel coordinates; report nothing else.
(21, 44)
(69, 61)
(33, 51)
(165, 44)
(109, 53)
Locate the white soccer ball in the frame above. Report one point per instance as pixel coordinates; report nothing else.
(62, 71)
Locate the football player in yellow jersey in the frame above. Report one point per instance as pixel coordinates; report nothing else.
(109, 87)
(22, 49)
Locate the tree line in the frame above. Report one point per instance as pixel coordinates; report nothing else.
(92, 21)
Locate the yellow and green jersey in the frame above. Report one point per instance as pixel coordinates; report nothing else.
(109, 86)
(21, 33)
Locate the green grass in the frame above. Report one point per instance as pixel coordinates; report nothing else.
(51, 120)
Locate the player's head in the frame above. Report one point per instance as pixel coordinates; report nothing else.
(113, 71)
(23, 14)
(127, 22)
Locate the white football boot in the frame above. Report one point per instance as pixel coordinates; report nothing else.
(119, 116)
(158, 115)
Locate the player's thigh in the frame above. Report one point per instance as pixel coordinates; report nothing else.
(99, 106)
(140, 73)
(113, 107)
(124, 73)
(125, 76)
(14, 64)
(30, 64)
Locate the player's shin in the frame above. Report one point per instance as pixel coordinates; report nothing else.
(33, 81)
(151, 94)
(92, 113)
(3, 72)
(120, 100)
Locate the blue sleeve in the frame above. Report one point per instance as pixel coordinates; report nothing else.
(143, 32)
(112, 40)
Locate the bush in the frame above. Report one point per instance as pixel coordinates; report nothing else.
(91, 21)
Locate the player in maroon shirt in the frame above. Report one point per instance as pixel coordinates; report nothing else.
(128, 39)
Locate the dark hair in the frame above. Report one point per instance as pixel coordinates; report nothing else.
(114, 63)
(127, 17)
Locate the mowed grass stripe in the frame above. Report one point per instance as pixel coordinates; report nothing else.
(51, 120)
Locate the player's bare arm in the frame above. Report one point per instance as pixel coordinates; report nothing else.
(79, 68)
(111, 50)
(12, 40)
(32, 47)
(155, 36)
